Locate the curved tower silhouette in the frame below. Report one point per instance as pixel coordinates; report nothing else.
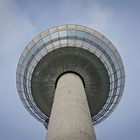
(70, 78)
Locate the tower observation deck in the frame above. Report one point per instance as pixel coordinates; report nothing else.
(70, 78)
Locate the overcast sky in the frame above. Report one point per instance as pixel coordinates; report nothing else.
(22, 20)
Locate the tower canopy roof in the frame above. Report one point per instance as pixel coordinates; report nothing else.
(70, 48)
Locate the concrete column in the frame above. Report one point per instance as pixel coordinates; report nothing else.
(70, 117)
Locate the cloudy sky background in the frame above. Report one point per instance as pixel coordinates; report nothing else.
(22, 20)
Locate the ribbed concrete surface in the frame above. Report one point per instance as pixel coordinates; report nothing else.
(70, 117)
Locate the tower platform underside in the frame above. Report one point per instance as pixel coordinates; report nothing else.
(64, 60)
(76, 49)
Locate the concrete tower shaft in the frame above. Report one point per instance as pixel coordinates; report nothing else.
(70, 116)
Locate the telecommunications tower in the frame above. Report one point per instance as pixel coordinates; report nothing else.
(70, 78)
